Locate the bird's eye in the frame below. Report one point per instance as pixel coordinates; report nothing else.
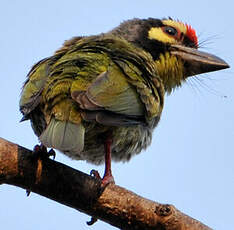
(170, 30)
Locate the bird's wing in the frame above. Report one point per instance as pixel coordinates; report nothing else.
(110, 99)
(94, 80)
(103, 74)
(33, 87)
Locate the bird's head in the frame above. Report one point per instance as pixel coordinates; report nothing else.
(173, 46)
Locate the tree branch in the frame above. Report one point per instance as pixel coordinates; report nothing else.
(115, 205)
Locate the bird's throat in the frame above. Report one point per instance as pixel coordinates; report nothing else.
(171, 71)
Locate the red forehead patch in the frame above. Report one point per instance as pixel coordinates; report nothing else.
(191, 34)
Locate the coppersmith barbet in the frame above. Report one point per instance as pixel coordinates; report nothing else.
(103, 95)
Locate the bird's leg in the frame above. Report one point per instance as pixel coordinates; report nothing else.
(107, 178)
(40, 153)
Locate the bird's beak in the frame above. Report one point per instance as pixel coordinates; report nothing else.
(197, 62)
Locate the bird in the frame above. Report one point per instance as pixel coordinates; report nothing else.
(99, 98)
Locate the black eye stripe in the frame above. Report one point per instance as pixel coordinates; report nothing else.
(170, 30)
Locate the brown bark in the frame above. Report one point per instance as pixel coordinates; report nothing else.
(114, 205)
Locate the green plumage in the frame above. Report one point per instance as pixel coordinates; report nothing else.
(111, 86)
(88, 88)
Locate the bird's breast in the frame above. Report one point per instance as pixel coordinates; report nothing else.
(127, 141)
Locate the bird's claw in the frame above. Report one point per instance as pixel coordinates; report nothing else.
(28, 192)
(92, 221)
(107, 179)
(52, 153)
(95, 173)
(40, 151)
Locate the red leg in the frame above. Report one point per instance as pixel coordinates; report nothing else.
(108, 178)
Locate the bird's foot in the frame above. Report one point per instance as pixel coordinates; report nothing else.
(40, 153)
(107, 178)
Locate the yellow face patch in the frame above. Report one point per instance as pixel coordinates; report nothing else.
(178, 25)
(157, 33)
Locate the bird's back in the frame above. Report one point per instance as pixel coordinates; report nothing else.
(89, 87)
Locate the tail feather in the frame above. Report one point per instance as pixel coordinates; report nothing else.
(64, 136)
